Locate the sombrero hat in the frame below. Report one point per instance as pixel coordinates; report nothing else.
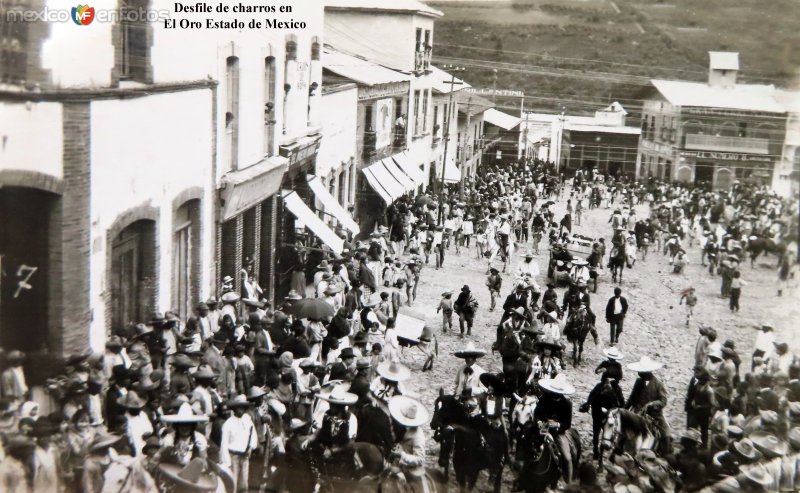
(131, 400)
(580, 262)
(339, 396)
(558, 385)
(645, 365)
(239, 400)
(470, 351)
(745, 450)
(518, 311)
(204, 372)
(293, 295)
(103, 440)
(768, 444)
(230, 297)
(394, 371)
(185, 414)
(613, 353)
(408, 411)
(494, 382)
(192, 477)
(547, 343)
(255, 393)
(758, 474)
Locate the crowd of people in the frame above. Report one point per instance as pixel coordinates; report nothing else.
(244, 395)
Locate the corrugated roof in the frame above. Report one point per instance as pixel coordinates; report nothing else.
(440, 81)
(723, 60)
(411, 6)
(500, 119)
(747, 97)
(359, 69)
(610, 129)
(472, 103)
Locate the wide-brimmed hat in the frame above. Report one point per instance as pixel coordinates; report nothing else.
(253, 303)
(580, 262)
(558, 385)
(192, 477)
(183, 361)
(296, 424)
(255, 393)
(363, 363)
(745, 449)
(768, 444)
(408, 411)
(203, 372)
(323, 265)
(230, 297)
(211, 301)
(518, 311)
(394, 371)
(496, 382)
(131, 400)
(293, 295)
(470, 351)
(185, 414)
(347, 353)
(613, 353)
(339, 396)
(239, 400)
(112, 342)
(548, 342)
(644, 365)
(758, 474)
(333, 289)
(528, 254)
(552, 315)
(103, 440)
(692, 435)
(447, 293)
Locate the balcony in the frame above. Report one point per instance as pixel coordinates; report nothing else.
(371, 152)
(422, 60)
(747, 145)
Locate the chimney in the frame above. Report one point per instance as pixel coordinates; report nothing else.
(722, 68)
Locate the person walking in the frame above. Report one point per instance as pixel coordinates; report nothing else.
(616, 309)
(494, 282)
(735, 290)
(446, 307)
(465, 308)
(690, 298)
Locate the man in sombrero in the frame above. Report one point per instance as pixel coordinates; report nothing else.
(649, 397)
(339, 428)
(555, 406)
(410, 452)
(468, 384)
(183, 442)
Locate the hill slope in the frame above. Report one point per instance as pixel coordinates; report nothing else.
(581, 54)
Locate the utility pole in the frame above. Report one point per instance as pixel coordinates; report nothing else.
(494, 86)
(466, 140)
(452, 69)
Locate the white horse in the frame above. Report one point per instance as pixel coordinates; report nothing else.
(126, 474)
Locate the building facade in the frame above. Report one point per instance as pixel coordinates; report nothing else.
(469, 148)
(711, 133)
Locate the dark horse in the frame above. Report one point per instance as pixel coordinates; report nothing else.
(473, 442)
(764, 245)
(579, 324)
(538, 460)
(617, 260)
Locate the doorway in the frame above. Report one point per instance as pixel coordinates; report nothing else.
(133, 274)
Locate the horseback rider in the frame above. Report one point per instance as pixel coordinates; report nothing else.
(649, 398)
(510, 341)
(184, 442)
(555, 406)
(339, 425)
(526, 273)
(409, 454)
(545, 364)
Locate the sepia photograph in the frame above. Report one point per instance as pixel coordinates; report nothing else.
(399, 246)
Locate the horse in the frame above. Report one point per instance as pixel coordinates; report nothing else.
(472, 441)
(127, 474)
(538, 460)
(578, 326)
(759, 245)
(521, 415)
(626, 431)
(616, 261)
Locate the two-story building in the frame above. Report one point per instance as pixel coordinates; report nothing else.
(133, 179)
(398, 36)
(711, 133)
(469, 142)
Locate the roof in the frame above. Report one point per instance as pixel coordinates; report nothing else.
(500, 119)
(789, 99)
(359, 69)
(608, 129)
(615, 107)
(441, 81)
(407, 6)
(747, 97)
(723, 60)
(472, 103)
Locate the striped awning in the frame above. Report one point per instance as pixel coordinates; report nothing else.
(310, 220)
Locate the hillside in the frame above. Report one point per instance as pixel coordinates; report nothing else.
(580, 54)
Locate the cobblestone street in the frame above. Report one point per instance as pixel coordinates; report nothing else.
(655, 324)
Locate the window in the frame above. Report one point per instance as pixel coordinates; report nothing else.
(742, 129)
(186, 257)
(436, 125)
(232, 108)
(425, 97)
(14, 43)
(417, 126)
(134, 49)
(428, 50)
(315, 50)
(269, 105)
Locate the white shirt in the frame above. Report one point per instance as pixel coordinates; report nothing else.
(764, 342)
(138, 428)
(617, 306)
(472, 381)
(238, 435)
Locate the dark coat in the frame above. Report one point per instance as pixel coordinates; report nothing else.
(512, 302)
(610, 307)
(558, 409)
(604, 397)
(645, 392)
(375, 427)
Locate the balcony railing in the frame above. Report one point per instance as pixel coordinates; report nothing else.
(749, 145)
(371, 152)
(422, 60)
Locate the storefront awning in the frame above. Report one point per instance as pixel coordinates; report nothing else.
(245, 188)
(399, 175)
(332, 206)
(383, 182)
(451, 172)
(301, 211)
(404, 161)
